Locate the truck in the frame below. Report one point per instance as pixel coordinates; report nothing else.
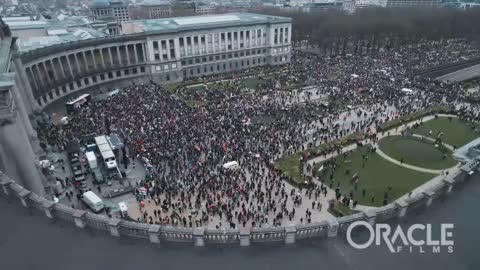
(93, 201)
(92, 160)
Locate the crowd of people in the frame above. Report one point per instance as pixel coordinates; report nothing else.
(186, 145)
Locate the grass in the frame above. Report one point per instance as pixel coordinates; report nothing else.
(416, 152)
(456, 132)
(252, 83)
(375, 175)
(290, 166)
(340, 210)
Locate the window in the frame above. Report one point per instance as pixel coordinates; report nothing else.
(119, 73)
(174, 66)
(79, 84)
(165, 67)
(64, 89)
(86, 82)
(190, 61)
(57, 91)
(142, 69)
(204, 59)
(110, 75)
(217, 57)
(224, 56)
(197, 60)
(183, 62)
(102, 77)
(94, 79)
(134, 71)
(168, 78)
(126, 71)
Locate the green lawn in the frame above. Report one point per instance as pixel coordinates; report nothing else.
(416, 152)
(455, 131)
(290, 166)
(375, 177)
(252, 83)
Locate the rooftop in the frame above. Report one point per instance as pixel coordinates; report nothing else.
(196, 22)
(154, 3)
(58, 36)
(107, 3)
(20, 24)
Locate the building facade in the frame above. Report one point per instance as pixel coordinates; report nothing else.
(110, 8)
(19, 147)
(154, 9)
(163, 50)
(413, 3)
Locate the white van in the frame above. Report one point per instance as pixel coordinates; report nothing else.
(408, 91)
(93, 201)
(231, 166)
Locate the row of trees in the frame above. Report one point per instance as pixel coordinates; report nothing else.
(373, 28)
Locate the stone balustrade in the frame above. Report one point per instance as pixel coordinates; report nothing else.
(242, 236)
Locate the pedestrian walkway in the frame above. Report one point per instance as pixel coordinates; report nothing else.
(408, 166)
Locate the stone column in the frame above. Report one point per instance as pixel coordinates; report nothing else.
(23, 196)
(244, 237)
(128, 53)
(119, 55)
(29, 69)
(84, 56)
(113, 225)
(54, 70)
(198, 237)
(154, 233)
(103, 59)
(92, 53)
(332, 228)
(5, 182)
(79, 218)
(167, 47)
(403, 206)
(48, 207)
(70, 66)
(44, 66)
(78, 63)
(110, 55)
(59, 60)
(136, 52)
(290, 234)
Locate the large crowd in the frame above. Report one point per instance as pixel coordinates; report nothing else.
(186, 145)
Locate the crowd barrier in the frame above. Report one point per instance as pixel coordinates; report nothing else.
(243, 237)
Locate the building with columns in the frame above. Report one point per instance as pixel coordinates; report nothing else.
(154, 9)
(162, 50)
(110, 8)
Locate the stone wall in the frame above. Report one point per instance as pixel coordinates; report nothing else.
(243, 237)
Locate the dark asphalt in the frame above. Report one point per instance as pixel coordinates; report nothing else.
(28, 240)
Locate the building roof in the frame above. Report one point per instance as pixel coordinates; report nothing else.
(61, 36)
(155, 3)
(19, 25)
(107, 3)
(200, 22)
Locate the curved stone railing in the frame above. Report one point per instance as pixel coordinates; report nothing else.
(199, 236)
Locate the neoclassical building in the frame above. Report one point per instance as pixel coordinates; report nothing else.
(163, 50)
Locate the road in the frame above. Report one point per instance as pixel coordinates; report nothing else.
(30, 241)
